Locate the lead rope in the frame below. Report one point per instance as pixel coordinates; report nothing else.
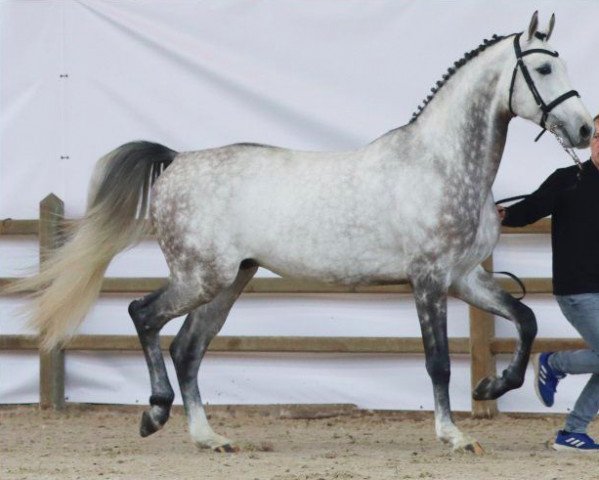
(569, 151)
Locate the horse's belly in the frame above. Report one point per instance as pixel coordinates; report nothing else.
(341, 270)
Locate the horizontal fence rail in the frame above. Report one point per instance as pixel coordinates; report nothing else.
(290, 286)
(10, 226)
(482, 346)
(293, 344)
(283, 344)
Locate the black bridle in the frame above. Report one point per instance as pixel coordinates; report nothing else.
(545, 108)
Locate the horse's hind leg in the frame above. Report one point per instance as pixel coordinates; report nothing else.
(188, 349)
(430, 295)
(149, 315)
(162, 393)
(481, 290)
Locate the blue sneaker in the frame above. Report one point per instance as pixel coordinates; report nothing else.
(574, 442)
(546, 378)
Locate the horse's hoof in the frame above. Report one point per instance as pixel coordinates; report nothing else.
(475, 448)
(486, 389)
(147, 426)
(227, 448)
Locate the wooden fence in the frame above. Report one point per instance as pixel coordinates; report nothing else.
(482, 346)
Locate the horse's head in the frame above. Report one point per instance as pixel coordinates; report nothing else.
(540, 89)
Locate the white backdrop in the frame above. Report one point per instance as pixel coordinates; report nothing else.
(78, 78)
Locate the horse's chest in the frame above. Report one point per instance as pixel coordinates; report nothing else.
(463, 237)
(484, 237)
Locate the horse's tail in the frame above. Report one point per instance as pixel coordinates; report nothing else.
(70, 280)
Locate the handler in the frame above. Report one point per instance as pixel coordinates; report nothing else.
(571, 197)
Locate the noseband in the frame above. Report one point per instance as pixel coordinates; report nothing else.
(545, 108)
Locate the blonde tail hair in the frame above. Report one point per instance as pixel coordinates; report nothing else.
(70, 280)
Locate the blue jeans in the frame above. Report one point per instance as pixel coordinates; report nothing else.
(582, 311)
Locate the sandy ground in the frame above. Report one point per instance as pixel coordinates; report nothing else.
(278, 443)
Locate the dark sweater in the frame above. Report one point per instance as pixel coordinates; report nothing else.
(574, 208)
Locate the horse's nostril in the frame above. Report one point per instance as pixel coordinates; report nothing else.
(585, 131)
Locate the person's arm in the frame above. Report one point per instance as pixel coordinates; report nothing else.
(537, 205)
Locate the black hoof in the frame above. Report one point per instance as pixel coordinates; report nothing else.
(228, 448)
(493, 387)
(475, 448)
(488, 388)
(148, 425)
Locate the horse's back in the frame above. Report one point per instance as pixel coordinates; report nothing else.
(293, 211)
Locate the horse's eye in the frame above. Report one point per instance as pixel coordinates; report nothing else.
(544, 69)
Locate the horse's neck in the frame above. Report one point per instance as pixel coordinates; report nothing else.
(467, 121)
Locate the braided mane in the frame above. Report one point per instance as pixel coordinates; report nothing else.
(452, 70)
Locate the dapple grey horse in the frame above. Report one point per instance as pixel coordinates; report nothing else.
(414, 204)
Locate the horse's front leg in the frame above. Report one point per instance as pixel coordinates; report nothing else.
(431, 303)
(480, 289)
(148, 331)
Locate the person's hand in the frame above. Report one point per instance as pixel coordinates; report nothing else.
(501, 212)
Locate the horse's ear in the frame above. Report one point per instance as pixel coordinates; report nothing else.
(534, 24)
(551, 25)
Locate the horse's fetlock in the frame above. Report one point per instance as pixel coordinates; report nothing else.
(512, 379)
(164, 400)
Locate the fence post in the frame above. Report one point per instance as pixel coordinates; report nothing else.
(52, 362)
(482, 360)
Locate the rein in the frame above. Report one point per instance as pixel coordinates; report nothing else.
(509, 274)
